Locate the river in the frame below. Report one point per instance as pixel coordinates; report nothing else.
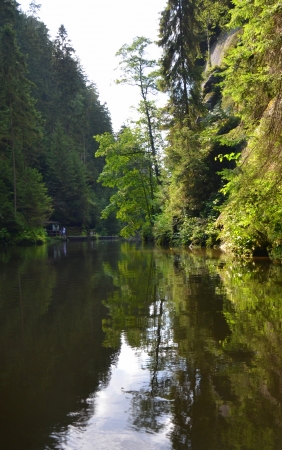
(115, 345)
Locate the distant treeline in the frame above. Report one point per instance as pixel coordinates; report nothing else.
(49, 112)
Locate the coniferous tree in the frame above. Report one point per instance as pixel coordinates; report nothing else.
(21, 124)
(180, 35)
(41, 78)
(35, 44)
(8, 11)
(66, 180)
(68, 77)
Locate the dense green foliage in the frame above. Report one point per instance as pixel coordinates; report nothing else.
(128, 169)
(252, 213)
(49, 112)
(140, 71)
(188, 188)
(216, 180)
(133, 155)
(223, 152)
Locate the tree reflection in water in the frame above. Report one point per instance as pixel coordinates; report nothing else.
(205, 329)
(51, 342)
(196, 318)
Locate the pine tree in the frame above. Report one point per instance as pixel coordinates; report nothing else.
(20, 120)
(66, 180)
(180, 35)
(34, 71)
(68, 77)
(35, 44)
(7, 12)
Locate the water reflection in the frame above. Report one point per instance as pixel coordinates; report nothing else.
(182, 303)
(51, 340)
(115, 345)
(113, 407)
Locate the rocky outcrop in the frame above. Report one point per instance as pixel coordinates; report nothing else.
(211, 88)
(218, 50)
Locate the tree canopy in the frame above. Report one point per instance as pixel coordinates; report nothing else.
(202, 170)
(49, 113)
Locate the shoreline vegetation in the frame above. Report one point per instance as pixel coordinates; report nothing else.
(202, 171)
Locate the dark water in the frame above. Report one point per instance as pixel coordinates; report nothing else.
(112, 345)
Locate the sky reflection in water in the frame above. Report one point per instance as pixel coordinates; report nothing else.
(118, 346)
(111, 426)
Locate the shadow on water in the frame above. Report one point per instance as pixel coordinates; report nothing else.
(126, 346)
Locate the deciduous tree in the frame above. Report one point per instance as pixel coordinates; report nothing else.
(128, 171)
(142, 72)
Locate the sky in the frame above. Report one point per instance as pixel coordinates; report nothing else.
(97, 29)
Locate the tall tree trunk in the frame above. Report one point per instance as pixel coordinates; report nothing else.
(182, 52)
(151, 137)
(14, 160)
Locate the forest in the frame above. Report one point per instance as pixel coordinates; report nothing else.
(203, 170)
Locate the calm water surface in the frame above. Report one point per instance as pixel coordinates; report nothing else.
(110, 345)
